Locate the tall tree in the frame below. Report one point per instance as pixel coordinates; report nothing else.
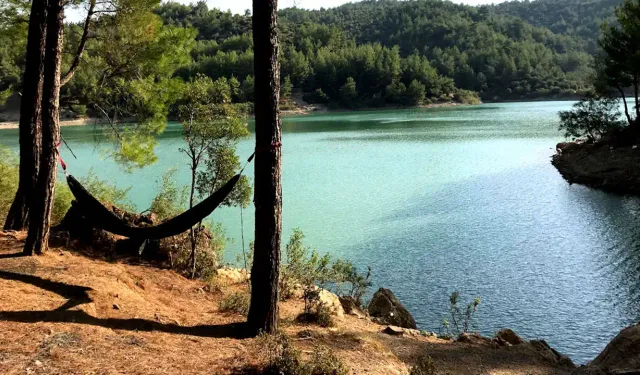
(40, 210)
(30, 119)
(263, 313)
(619, 68)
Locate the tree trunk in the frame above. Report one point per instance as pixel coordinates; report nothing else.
(30, 117)
(263, 313)
(40, 211)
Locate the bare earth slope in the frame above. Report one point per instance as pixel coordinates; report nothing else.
(64, 313)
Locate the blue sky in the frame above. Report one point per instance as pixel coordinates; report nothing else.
(239, 6)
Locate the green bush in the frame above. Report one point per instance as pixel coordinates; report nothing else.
(237, 303)
(424, 366)
(9, 176)
(170, 200)
(466, 97)
(592, 117)
(8, 181)
(106, 192)
(211, 243)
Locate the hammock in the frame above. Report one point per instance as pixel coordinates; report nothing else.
(103, 218)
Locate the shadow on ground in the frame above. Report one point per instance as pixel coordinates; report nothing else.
(78, 295)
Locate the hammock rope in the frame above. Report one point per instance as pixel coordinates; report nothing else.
(103, 218)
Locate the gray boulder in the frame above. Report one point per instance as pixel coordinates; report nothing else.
(388, 309)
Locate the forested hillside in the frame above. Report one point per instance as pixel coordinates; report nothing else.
(579, 18)
(394, 51)
(378, 52)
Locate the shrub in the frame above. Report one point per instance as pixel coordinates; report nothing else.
(8, 181)
(211, 243)
(593, 117)
(106, 192)
(170, 199)
(9, 165)
(461, 321)
(237, 303)
(466, 97)
(284, 359)
(316, 97)
(319, 314)
(424, 366)
(306, 269)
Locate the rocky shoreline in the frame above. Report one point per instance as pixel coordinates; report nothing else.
(604, 165)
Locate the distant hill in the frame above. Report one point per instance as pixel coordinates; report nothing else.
(578, 18)
(514, 50)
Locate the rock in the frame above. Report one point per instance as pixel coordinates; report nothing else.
(399, 331)
(388, 308)
(565, 147)
(350, 307)
(551, 354)
(623, 352)
(332, 302)
(500, 341)
(116, 306)
(232, 275)
(475, 339)
(510, 337)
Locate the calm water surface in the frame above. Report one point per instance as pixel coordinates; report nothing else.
(440, 200)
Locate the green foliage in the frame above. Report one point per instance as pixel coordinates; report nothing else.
(424, 366)
(466, 97)
(461, 320)
(415, 93)
(237, 303)
(307, 270)
(106, 192)
(170, 199)
(619, 67)
(211, 241)
(8, 181)
(283, 359)
(349, 93)
(592, 117)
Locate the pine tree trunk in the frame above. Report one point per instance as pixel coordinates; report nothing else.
(40, 211)
(30, 120)
(263, 313)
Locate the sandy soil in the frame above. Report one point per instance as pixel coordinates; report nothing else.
(66, 313)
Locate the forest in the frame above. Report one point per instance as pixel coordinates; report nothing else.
(364, 54)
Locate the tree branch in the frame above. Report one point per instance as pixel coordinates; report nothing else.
(81, 47)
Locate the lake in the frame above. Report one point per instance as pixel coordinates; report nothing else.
(438, 200)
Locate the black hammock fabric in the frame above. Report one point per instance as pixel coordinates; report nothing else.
(103, 218)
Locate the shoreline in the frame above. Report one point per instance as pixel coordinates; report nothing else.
(307, 110)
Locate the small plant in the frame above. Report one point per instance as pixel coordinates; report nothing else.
(461, 321)
(237, 303)
(424, 366)
(283, 359)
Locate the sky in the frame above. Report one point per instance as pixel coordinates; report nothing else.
(239, 6)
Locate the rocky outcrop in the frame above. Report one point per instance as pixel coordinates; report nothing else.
(551, 354)
(399, 331)
(603, 165)
(331, 302)
(508, 336)
(622, 355)
(388, 309)
(351, 307)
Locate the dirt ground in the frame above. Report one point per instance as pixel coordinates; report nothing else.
(65, 313)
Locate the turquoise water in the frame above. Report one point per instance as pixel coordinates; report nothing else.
(437, 200)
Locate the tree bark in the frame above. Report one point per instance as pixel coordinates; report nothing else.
(40, 211)
(263, 313)
(30, 117)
